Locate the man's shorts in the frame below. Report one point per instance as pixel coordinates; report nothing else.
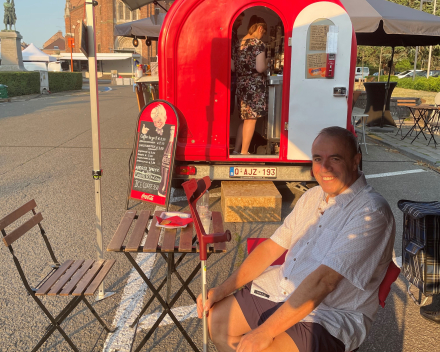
(308, 337)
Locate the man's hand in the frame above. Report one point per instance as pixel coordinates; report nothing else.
(254, 341)
(214, 295)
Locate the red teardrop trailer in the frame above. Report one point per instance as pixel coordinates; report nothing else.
(313, 47)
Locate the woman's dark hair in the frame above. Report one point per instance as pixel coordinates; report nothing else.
(256, 22)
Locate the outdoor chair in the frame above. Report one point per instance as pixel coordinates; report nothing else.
(76, 278)
(434, 123)
(391, 275)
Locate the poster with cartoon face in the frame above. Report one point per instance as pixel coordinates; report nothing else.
(154, 154)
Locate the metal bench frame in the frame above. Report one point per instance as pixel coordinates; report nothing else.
(76, 278)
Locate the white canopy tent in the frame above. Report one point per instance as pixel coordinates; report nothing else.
(32, 53)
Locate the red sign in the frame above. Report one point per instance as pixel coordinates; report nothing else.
(156, 137)
(71, 42)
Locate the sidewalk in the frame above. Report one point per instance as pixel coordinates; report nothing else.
(418, 150)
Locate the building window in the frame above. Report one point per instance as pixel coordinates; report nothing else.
(120, 11)
(124, 13)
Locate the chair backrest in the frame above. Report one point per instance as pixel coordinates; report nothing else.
(437, 99)
(252, 243)
(391, 275)
(15, 234)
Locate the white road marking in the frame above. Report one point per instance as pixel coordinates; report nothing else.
(397, 173)
(131, 304)
(181, 313)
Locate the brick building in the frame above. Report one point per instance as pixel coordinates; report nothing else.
(109, 13)
(55, 45)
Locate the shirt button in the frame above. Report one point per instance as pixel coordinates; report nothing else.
(294, 259)
(285, 278)
(319, 225)
(285, 292)
(307, 242)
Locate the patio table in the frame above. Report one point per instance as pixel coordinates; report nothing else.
(425, 113)
(186, 244)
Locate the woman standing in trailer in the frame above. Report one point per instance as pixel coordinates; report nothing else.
(250, 65)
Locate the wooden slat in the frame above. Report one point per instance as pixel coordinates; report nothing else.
(87, 279)
(21, 230)
(121, 232)
(138, 232)
(217, 226)
(70, 286)
(54, 278)
(100, 277)
(153, 235)
(186, 236)
(16, 214)
(169, 238)
(65, 278)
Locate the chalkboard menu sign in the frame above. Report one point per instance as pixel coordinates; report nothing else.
(153, 154)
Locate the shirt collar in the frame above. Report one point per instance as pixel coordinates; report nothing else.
(350, 193)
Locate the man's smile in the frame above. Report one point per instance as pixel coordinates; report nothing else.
(328, 178)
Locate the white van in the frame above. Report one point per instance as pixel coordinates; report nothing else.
(361, 72)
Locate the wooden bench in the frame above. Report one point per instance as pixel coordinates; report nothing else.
(143, 240)
(76, 278)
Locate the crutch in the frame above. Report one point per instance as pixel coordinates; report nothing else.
(194, 190)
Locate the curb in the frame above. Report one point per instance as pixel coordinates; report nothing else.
(409, 152)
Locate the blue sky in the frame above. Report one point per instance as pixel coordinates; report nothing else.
(38, 20)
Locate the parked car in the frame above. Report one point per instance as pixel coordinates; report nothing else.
(434, 73)
(361, 72)
(409, 73)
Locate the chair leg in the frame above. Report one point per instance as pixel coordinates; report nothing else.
(98, 318)
(56, 322)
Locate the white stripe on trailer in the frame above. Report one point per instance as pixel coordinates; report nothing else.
(397, 173)
(131, 304)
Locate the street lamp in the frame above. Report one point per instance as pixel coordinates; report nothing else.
(417, 48)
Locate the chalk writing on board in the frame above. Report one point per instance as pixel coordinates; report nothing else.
(318, 37)
(150, 152)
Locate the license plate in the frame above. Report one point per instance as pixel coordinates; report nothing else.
(262, 172)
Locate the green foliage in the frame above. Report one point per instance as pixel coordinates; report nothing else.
(21, 83)
(62, 81)
(403, 65)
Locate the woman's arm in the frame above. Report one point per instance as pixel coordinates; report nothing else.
(261, 62)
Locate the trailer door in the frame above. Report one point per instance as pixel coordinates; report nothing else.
(322, 32)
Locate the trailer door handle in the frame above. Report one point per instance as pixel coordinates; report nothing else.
(286, 126)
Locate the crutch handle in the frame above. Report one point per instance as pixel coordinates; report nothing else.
(212, 238)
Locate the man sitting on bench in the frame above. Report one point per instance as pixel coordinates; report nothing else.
(340, 239)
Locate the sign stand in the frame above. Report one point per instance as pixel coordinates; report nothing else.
(152, 159)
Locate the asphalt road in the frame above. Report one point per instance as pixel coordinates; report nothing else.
(45, 154)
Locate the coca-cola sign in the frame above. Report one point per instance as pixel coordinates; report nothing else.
(154, 153)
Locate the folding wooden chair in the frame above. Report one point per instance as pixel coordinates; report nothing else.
(76, 278)
(391, 275)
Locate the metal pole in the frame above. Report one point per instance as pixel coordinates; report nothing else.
(430, 47)
(96, 138)
(417, 49)
(380, 64)
(204, 297)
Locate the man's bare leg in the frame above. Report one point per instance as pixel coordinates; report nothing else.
(227, 324)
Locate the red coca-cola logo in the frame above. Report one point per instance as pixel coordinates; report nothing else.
(147, 196)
